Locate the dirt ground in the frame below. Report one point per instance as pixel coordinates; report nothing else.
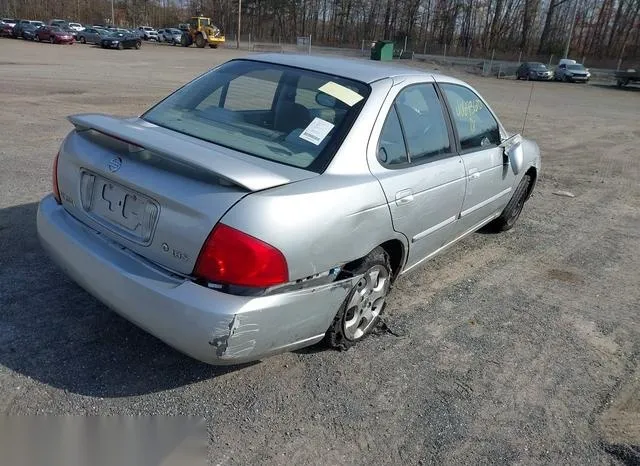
(522, 347)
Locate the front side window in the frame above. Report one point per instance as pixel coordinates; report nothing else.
(288, 115)
(476, 126)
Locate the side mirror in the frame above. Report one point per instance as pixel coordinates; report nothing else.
(513, 152)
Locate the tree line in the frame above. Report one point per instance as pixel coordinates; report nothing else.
(601, 28)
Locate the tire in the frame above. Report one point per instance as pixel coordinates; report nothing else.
(359, 313)
(213, 46)
(120, 46)
(138, 45)
(511, 212)
(200, 42)
(37, 38)
(83, 40)
(52, 40)
(185, 40)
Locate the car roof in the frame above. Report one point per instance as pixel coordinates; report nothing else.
(362, 70)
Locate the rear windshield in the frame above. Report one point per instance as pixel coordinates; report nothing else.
(284, 114)
(538, 66)
(575, 67)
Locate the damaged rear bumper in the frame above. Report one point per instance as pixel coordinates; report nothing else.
(208, 325)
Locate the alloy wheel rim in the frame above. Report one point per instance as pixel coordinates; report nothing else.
(518, 209)
(366, 302)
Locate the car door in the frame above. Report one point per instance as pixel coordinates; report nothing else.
(414, 158)
(89, 35)
(490, 179)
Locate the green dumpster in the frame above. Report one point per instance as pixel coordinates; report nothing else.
(382, 50)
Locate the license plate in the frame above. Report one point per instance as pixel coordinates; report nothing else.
(127, 211)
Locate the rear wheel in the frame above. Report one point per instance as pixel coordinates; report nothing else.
(37, 38)
(138, 45)
(361, 310)
(511, 212)
(83, 40)
(120, 46)
(200, 42)
(52, 40)
(185, 40)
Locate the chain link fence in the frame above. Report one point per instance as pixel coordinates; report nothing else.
(496, 63)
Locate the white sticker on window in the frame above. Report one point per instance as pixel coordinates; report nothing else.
(342, 93)
(316, 131)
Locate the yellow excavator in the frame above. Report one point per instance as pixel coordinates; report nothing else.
(201, 32)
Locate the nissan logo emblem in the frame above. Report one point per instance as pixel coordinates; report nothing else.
(115, 164)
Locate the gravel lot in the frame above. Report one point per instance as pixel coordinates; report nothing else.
(515, 348)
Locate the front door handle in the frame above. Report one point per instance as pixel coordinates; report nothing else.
(404, 197)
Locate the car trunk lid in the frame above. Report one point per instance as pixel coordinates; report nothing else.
(154, 191)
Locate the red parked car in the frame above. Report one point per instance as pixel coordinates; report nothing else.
(6, 30)
(53, 34)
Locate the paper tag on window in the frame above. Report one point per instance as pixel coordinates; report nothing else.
(342, 93)
(316, 131)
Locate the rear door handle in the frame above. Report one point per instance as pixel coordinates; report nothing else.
(404, 197)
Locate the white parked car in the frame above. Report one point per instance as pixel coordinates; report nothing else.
(77, 27)
(148, 33)
(170, 35)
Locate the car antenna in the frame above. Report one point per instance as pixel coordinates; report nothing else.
(527, 111)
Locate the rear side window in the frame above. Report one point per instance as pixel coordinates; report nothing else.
(392, 149)
(423, 122)
(476, 126)
(415, 130)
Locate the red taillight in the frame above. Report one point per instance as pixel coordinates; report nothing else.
(232, 257)
(56, 191)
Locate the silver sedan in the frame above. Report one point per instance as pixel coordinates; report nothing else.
(270, 203)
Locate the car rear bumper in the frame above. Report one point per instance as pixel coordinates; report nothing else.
(208, 325)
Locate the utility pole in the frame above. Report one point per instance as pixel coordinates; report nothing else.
(239, 17)
(113, 19)
(573, 21)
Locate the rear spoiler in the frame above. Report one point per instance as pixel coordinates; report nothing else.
(253, 175)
